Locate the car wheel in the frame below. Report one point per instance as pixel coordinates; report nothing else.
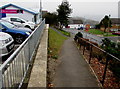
(19, 39)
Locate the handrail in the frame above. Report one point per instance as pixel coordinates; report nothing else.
(100, 49)
(102, 63)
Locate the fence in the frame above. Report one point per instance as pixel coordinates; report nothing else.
(105, 66)
(14, 69)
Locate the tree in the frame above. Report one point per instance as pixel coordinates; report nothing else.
(79, 34)
(106, 22)
(64, 11)
(50, 18)
(97, 26)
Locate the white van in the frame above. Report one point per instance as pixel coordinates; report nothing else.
(6, 44)
(20, 22)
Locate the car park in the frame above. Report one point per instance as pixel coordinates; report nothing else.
(114, 30)
(20, 22)
(18, 34)
(6, 44)
(80, 28)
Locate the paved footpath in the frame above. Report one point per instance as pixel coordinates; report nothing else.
(73, 70)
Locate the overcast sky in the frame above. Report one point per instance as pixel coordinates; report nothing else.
(91, 9)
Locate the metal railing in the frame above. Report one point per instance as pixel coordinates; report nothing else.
(105, 66)
(14, 69)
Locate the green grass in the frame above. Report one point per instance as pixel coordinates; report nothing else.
(65, 33)
(108, 34)
(99, 32)
(54, 43)
(96, 31)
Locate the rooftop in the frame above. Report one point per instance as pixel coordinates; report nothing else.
(27, 10)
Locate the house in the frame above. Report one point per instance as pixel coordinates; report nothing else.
(17, 11)
(115, 23)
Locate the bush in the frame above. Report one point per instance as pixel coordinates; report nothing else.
(79, 34)
(111, 47)
(114, 65)
(114, 49)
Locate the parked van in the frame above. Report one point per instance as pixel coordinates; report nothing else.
(6, 44)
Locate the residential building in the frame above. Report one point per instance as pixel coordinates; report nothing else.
(17, 11)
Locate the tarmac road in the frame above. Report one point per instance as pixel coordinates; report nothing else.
(92, 37)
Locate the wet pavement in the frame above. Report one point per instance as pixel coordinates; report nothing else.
(73, 70)
(91, 37)
(86, 35)
(115, 39)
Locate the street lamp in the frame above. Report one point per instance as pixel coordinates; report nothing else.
(109, 23)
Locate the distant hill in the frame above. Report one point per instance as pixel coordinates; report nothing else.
(81, 20)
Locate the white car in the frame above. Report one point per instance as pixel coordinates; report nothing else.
(6, 44)
(20, 22)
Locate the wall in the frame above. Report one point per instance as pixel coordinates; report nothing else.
(39, 71)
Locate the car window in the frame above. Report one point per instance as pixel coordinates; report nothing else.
(23, 20)
(16, 20)
(7, 24)
(19, 20)
(13, 19)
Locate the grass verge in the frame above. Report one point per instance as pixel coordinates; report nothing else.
(65, 33)
(99, 32)
(95, 31)
(54, 43)
(108, 34)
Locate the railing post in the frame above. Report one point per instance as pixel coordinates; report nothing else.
(104, 74)
(90, 53)
(84, 47)
(80, 43)
(1, 79)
